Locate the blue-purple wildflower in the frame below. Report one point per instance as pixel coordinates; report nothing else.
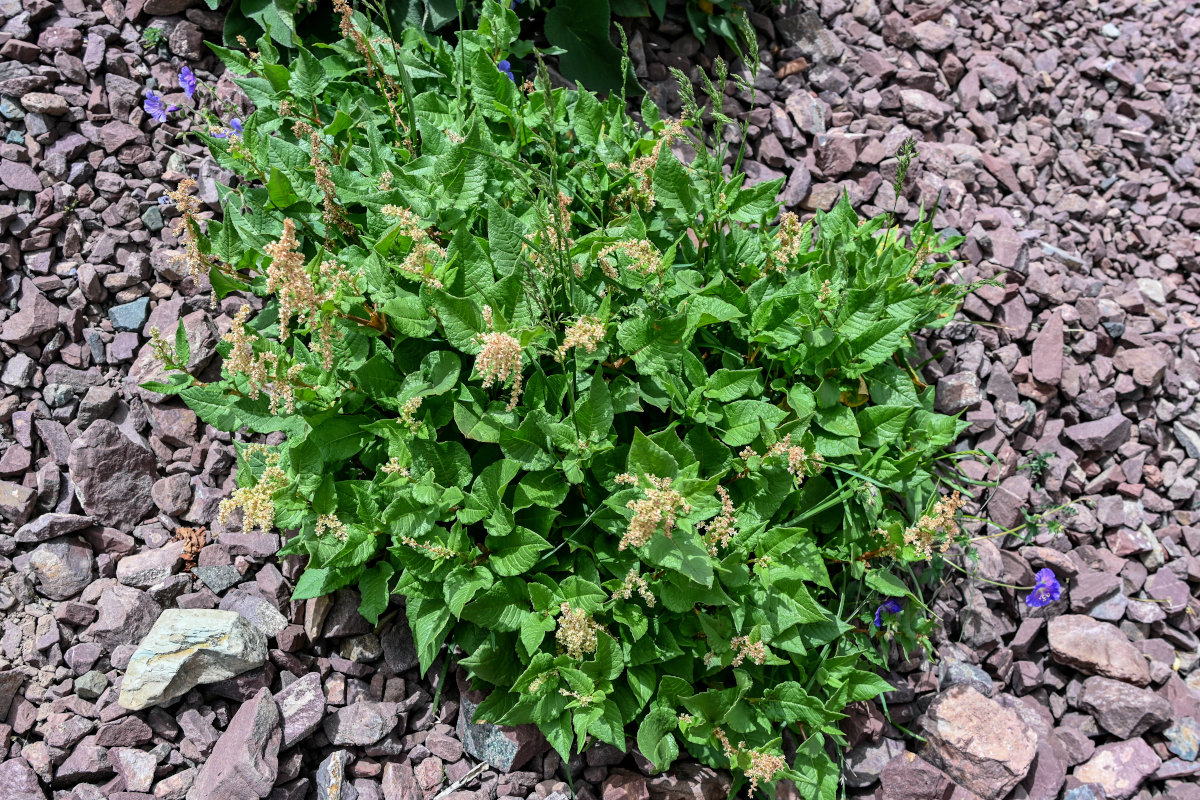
(187, 80)
(506, 68)
(513, 5)
(890, 606)
(234, 131)
(156, 108)
(1046, 589)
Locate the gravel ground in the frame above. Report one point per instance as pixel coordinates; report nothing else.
(1062, 140)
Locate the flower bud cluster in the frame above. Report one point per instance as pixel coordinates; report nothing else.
(187, 228)
(640, 190)
(432, 550)
(789, 240)
(643, 257)
(586, 332)
(659, 507)
(408, 414)
(556, 239)
(392, 467)
(939, 525)
(257, 501)
(261, 370)
(576, 632)
(499, 360)
(424, 249)
(635, 581)
(755, 651)
(800, 463)
(330, 524)
(721, 529)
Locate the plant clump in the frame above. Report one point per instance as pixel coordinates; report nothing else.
(647, 452)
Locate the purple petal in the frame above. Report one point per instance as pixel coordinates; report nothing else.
(187, 80)
(236, 124)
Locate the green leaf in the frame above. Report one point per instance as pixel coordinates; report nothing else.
(587, 117)
(409, 316)
(308, 76)
(581, 28)
(673, 187)
(183, 349)
(648, 458)
(449, 461)
(655, 739)
(430, 621)
(375, 592)
(884, 582)
(516, 553)
(656, 345)
(461, 320)
(505, 237)
(881, 425)
(594, 414)
(547, 489)
(744, 420)
(726, 385)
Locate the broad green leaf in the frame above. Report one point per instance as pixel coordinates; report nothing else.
(655, 739)
(375, 592)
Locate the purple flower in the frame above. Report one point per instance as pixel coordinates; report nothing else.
(891, 606)
(235, 130)
(164, 201)
(513, 5)
(188, 81)
(156, 108)
(1046, 590)
(506, 68)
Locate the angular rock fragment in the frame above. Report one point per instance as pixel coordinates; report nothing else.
(186, 648)
(245, 760)
(1096, 648)
(982, 745)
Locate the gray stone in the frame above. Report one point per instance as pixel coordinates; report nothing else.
(16, 502)
(982, 745)
(362, 723)
(865, 762)
(505, 748)
(186, 648)
(256, 609)
(130, 316)
(48, 526)
(113, 475)
(1119, 768)
(301, 708)
(63, 566)
(332, 783)
(218, 578)
(399, 651)
(1184, 738)
(98, 403)
(91, 684)
(19, 371)
(1122, 709)
(148, 567)
(136, 767)
(245, 760)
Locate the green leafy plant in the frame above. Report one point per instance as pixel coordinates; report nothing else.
(649, 456)
(152, 37)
